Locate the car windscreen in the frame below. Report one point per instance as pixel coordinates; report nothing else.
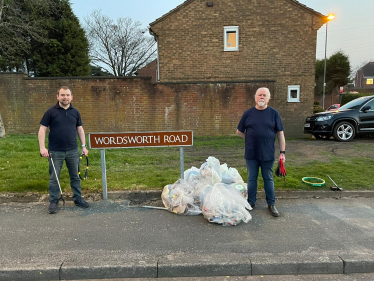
(355, 103)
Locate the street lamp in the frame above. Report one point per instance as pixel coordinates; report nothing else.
(329, 17)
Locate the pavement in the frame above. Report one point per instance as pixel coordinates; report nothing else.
(318, 232)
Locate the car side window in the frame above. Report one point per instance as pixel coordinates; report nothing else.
(370, 103)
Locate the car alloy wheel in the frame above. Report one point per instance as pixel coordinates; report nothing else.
(344, 131)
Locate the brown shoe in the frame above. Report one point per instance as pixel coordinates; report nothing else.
(274, 212)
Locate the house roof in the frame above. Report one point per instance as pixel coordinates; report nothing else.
(187, 2)
(368, 69)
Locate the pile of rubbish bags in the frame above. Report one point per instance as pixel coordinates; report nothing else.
(214, 190)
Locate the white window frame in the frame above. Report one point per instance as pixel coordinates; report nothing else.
(289, 97)
(227, 29)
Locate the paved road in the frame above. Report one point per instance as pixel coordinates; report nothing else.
(114, 240)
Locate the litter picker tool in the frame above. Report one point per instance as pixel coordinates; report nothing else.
(54, 169)
(336, 186)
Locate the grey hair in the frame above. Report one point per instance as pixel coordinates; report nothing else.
(266, 90)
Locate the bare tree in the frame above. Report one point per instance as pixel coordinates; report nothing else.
(119, 48)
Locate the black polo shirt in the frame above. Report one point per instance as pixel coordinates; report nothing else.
(63, 125)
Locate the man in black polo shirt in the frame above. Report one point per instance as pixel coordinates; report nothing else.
(64, 122)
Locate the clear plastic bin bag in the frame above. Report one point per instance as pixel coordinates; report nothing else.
(210, 172)
(231, 175)
(241, 188)
(223, 205)
(178, 198)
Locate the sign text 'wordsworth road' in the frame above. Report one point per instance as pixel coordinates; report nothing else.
(140, 139)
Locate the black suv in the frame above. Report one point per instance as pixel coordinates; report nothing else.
(353, 118)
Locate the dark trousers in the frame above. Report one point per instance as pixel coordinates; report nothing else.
(267, 175)
(71, 159)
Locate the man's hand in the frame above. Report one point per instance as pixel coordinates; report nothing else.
(282, 157)
(84, 151)
(44, 152)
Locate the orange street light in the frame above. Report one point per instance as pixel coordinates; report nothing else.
(329, 17)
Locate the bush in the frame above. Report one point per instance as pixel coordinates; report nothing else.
(349, 97)
(317, 109)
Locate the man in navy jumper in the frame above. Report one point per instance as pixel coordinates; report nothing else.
(64, 122)
(259, 126)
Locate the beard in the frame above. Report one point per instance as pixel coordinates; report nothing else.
(261, 103)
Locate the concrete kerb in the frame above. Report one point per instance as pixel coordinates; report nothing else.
(30, 272)
(193, 265)
(138, 197)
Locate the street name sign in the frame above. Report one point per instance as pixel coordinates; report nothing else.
(140, 139)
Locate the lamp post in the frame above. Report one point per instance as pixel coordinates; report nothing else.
(329, 17)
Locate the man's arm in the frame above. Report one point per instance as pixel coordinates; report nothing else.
(240, 134)
(82, 138)
(282, 145)
(41, 138)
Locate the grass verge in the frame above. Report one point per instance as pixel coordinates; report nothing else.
(23, 170)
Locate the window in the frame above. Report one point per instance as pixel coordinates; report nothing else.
(369, 81)
(293, 93)
(231, 38)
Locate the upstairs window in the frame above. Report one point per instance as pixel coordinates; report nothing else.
(293, 94)
(231, 38)
(369, 81)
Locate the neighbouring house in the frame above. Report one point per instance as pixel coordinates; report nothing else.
(148, 70)
(365, 76)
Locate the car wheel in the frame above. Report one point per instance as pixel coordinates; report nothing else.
(344, 131)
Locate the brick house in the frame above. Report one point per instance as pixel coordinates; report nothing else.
(243, 41)
(365, 76)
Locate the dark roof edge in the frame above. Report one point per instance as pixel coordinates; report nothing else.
(177, 8)
(185, 3)
(308, 9)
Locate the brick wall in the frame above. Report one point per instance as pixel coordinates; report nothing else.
(135, 104)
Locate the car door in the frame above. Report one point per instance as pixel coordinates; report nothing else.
(366, 119)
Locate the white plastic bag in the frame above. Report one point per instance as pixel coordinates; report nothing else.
(225, 206)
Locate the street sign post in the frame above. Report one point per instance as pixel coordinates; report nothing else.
(104, 141)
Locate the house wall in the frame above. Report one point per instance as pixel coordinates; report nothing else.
(277, 41)
(133, 104)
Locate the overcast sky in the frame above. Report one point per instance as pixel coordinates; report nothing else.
(350, 31)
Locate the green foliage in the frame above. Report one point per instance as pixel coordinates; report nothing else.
(338, 69)
(66, 51)
(49, 40)
(346, 98)
(317, 107)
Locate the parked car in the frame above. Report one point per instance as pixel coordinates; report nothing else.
(334, 107)
(355, 117)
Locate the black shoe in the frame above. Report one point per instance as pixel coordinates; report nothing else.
(81, 203)
(274, 212)
(53, 207)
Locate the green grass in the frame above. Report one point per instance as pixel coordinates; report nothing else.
(23, 170)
